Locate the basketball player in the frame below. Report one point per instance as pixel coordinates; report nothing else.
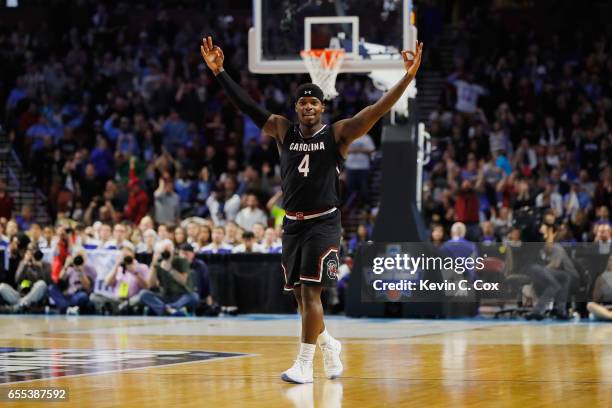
(311, 154)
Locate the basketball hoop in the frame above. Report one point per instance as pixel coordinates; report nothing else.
(323, 66)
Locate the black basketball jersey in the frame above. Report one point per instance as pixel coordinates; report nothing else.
(309, 170)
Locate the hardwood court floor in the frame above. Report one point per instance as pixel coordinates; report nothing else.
(398, 363)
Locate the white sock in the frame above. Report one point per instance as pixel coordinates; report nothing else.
(324, 338)
(307, 352)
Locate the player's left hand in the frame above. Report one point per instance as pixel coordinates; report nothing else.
(412, 64)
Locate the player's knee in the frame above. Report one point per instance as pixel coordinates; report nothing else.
(311, 294)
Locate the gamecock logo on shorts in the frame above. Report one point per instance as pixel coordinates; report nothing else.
(332, 269)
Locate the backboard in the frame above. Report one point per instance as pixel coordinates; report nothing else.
(372, 33)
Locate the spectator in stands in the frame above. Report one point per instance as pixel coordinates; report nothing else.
(549, 198)
(138, 201)
(232, 233)
(205, 237)
(147, 246)
(271, 244)
(437, 235)
(173, 276)
(78, 277)
(603, 238)
(193, 232)
(180, 237)
(26, 217)
(467, 207)
(357, 166)
(31, 280)
(259, 230)
(249, 246)
(224, 204)
(127, 278)
(361, 236)
(251, 214)
(488, 233)
(167, 202)
(6, 202)
(218, 245)
(120, 238)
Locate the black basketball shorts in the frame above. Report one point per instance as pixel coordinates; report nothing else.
(310, 251)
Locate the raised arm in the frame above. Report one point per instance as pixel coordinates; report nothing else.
(274, 126)
(348, 130)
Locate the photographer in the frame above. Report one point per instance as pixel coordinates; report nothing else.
(127, 278)
(172, 274)
(31, 280)
(76, 282)
(552, 281)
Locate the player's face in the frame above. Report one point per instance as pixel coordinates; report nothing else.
(309, 110)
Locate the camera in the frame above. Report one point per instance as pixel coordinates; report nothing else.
(78, 260)
(38, 255)
(166, 255)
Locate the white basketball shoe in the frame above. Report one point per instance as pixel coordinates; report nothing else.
(299, 373)
(331, 358)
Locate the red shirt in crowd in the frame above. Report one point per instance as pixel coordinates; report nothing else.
(467, 207)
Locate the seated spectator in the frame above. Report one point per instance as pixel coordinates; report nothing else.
(488, 233)
(437, 235)
(172, 275)
(31, 280)
(258, 229)
(232, 233)
(205, 237)
(120, 238)
(271, 244)
(25, 218)
(127, 278)
(76, 282)
(147, 246)
(603, 238)
(601, 304)
(199, 270)
(193, 232)
(218, 245)
(360, 236)
(249, 246)
(180, 237)
(552, 280)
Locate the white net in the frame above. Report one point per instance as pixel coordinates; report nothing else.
(323, 66)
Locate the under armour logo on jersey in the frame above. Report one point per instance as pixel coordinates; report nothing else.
(307, 92)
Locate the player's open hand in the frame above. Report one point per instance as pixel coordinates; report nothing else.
(212, 54)
(412, 60)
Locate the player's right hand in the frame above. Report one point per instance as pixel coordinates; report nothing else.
(212, 55)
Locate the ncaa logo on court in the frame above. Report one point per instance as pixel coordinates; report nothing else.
(332, 269)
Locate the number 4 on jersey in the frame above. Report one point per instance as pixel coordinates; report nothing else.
(304, 165)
